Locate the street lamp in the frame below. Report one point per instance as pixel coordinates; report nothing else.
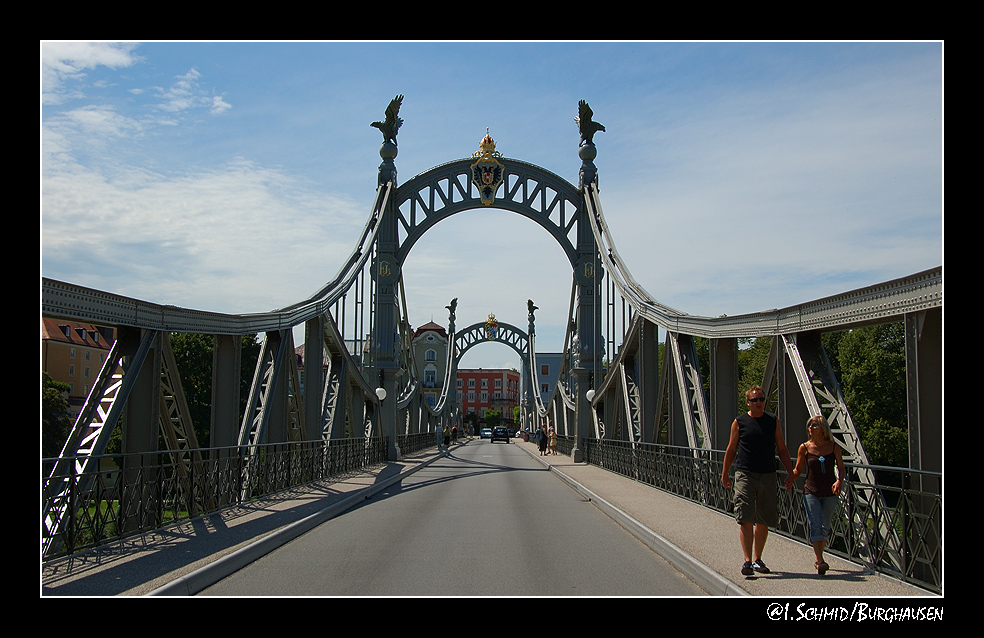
(381, 394)
(589, 395)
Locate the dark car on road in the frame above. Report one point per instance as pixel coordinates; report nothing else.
(499, 434)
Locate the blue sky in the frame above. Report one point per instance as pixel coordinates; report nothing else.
(735, 177)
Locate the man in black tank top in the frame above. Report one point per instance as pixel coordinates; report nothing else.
(756, 436)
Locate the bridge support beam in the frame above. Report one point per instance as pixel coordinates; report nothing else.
(589, 276)
(142, 424)
(226, 376)
(140, 435)
(792, 408)
(724, 390)
(314, 374)
(924, 370)
(647, 373)
(388, 413)
(386, 329)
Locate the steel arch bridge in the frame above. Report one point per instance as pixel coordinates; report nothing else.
(611, 387)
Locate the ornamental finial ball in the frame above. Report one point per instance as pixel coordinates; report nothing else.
(388, 151)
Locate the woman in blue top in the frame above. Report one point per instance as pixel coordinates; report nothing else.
(819, 457)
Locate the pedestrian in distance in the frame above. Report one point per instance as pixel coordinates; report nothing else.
(756, 438)
(553, 441)
(821, 459)
(542, 440)
(447, 436)
(454, 433)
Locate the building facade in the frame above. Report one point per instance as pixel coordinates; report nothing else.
(548, 369)
(430, 353)
(73, 353)
(481, 389)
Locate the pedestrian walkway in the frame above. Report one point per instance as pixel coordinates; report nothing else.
(703, 543)
(184, 559)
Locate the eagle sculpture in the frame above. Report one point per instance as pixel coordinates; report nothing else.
(587, 126)
(391, 125)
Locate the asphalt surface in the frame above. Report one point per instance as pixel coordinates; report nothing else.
(485, 520)
(184, 559)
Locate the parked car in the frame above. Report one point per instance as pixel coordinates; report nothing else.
(499, 434)
(486, 433)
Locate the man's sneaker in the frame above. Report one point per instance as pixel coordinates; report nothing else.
(746, 569)
(760, 567)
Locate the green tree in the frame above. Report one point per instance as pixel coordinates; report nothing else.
(193, 354)
(492, 417)
(56, 421)
(873, 378)
(869, 363)
(753, 356)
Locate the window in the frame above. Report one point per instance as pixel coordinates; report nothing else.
(485, 383)
(430, 355)
(545, 369)
(498, 383)
(471, 383)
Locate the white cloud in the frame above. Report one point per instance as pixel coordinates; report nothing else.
(225, 240)
(219, 105)
(62, 61)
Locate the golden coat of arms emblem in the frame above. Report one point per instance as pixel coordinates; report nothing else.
(487, 172)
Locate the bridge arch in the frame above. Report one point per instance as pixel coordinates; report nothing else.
(520, 341)
(489, 180)
(529, 190)
(476, 334)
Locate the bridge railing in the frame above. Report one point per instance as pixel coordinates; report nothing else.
(128, 494)
(906, 502)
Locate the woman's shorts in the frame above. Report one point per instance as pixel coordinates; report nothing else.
(755, 498)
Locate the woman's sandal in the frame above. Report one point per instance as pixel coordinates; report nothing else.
(821, 567)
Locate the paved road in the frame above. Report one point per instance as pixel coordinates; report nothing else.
(488, 519)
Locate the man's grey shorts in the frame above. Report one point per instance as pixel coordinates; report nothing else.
(755, 498)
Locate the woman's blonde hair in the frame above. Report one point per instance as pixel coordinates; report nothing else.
(822, 424)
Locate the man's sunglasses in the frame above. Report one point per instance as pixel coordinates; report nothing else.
(757, 400)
